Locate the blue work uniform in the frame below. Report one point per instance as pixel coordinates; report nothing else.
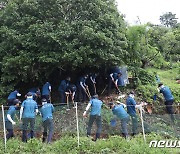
(46, 91)
(115, 77)
(30, 107)
(131, 109)
(121, 113)
(47, 118)
(47, 111)
(131, 103)
(62, 89)
(8, 124)
(91, 82)
(12, 96)
(35, 92)
(28, 116)
(167, 93)
(72, 89)
(169, 100)
(81, 93)
(95, 115)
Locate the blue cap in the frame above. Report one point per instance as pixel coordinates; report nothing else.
(29, 94)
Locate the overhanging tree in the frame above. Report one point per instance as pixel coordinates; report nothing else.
(38, 36)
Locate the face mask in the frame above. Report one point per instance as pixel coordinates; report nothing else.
(131, 95)
(44, 103)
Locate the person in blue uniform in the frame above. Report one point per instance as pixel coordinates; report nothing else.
(169, 99)
(46, 90)
(131, 110)
(9, 119)
(46, 111)
(113, 81)
(63, 88)
(71, 89)
(81, 87)
(28, 111)
(91, 82)
(36, 94)
(121, 113)
(95, 115)
(12, 96)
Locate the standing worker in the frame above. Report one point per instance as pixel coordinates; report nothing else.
(82, 89)
(9, 119)
(63, 88)
(28, 111)
(12, 96)
(113, 78)
(91, 81)
(131, 109)
(47, 110)
(121, 113)
(46, 90)
(169, 99)
(95, 115)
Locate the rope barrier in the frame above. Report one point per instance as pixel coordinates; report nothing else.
(62, 104)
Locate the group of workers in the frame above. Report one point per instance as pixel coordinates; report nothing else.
(118, 109)
(86, 88)
(28, 111)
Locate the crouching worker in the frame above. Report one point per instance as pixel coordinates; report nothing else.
(95, 115)
(121, 113)
(9, 119)
(47, 110)
(28, 111)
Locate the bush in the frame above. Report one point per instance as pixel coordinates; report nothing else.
(147, 92)
(144, 77)
(114, 144)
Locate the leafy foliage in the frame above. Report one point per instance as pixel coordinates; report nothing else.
(168, 19)
(141, 52)
(40, 36)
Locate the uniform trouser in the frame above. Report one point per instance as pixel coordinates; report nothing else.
(169, 109)
(124, 122)
(48, 126)
(62, 97)
(26, 121)
(110, 85)
(134, 123)
(92, 88)
(9, 128)
(98, 120)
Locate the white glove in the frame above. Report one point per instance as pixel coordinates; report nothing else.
(13, 123)
(84, 114)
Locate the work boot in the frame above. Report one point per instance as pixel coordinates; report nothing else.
(24, 136)
(32, 134)
(97, 136)
(44, 136)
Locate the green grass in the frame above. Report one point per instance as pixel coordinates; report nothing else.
(168, 77)
(68, 144)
